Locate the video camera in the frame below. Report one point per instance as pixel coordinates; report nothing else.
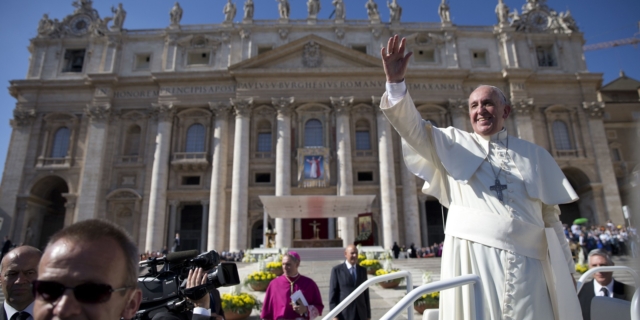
(163, 289)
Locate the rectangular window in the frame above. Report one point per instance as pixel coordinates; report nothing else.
(479, 58)
(196, 58)
(362, 140)
(546, 57)
(143, 61)
(612, 134)
(361, 48)
(263, 49)
(264, 142)
(191, 181)
(263, 178)
(365, 176)
(424, 55)
(615, 154)
(73, 60)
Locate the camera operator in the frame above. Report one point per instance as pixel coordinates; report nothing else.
(207, 307)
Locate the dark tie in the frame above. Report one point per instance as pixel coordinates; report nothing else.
(605, 292)
(22, 315)
(353, 274)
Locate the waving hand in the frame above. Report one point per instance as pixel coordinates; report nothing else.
(394, 60)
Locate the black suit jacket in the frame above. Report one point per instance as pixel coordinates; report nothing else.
(215, 305)
(3, 314)
(341, 285)
(620, 291)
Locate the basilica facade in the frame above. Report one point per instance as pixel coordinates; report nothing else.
(181, 129)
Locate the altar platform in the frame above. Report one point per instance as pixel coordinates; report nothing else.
(316, 254)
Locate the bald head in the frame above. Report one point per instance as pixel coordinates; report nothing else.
(19, 268)
(351, 254)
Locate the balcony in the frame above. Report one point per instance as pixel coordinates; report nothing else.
(190, 161)
(53, 163)
(567, 154)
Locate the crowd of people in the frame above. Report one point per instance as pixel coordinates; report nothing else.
(401, 252)
(616, 240)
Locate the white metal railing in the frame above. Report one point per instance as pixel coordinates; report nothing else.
(635, 301)
(469, 279)
(360, 289)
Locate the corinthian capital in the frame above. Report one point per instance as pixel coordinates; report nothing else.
(242, 106)
(98, 111)
(523, 106)
(283, 105)
(594, 109)
(342, 104)
(163, 111)
(459, 106)
(219, 108)
(23, 117)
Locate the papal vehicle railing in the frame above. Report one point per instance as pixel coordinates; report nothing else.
(635, 301)
(413, 295)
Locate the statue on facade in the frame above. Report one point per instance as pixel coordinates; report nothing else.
(46, 26)
(502, 12)
(372, 10)
(83, 6)
(340, 12)
(395, 11)
(313, 7)
(532, 4)
(283, 9)
(567, 22)
(443, 11)
(175, 14)
(248, 10)
(118, 17)
(229, 12)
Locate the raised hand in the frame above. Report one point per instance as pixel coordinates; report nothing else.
(394, 60)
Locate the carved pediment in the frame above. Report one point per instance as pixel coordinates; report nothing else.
(310, 52)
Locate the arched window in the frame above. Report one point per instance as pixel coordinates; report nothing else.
(264, 137)
(313, 133)
(195, 138)
(363, 137)
(561, 135)
(60, 146)
(132, 141)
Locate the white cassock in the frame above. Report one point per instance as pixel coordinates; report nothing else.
(516, 246)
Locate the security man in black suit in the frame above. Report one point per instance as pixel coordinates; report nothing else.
(345, 278)
(19, 268)
(602, 284)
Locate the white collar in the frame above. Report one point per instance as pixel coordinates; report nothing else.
(597, 287)
(11, 310)
(497, 137)
(349, 265)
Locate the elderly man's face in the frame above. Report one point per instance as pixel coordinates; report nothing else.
(351, 254)
(487, 112)
(72, 263)
(603, 278)
(19, 269)
(290, 266)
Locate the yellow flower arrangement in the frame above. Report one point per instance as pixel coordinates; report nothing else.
(370, 264)
(382, 272)
(274, 265)
(432, 298)
(361, 257)
(240, 303)
(581, 268)
(259, 277)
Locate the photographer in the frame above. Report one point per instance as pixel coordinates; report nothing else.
(207, 307)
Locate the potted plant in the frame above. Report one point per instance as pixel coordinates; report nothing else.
(275, 267)
(361, 257)
(390, 283)
(259, 280)
(371, 265)
(238, 306)
(427, 301)
(581, 268)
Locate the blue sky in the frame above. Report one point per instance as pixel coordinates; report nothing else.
(600, 21)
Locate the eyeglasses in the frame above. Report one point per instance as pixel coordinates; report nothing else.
(51, 291)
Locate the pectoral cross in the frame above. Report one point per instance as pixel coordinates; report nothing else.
(315, 225)
(498, 189)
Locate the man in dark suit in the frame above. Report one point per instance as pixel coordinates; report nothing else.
(602, 284)
(19, 268)
(345, 278)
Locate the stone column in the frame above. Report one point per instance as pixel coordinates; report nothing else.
(204, 228)
(12, 177)
(91, 177)
(524, 122)
(159, 178)
(509, 51)
(410, 206)
(283, 166)
(459, 110)
(343, 105)
(240, 180)
(170, 52)
(70, 208)
(422, 199)
(173, 216)
(594, 111)
(388, 199)
(217, 196)
(110, 54)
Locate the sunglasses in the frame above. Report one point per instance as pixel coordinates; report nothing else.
(51, 291)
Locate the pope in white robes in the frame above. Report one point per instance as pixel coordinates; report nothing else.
(502, 193)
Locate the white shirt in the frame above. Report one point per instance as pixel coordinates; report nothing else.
(597, 288)
(11, 311)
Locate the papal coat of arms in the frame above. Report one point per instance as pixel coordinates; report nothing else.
(311, 57)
